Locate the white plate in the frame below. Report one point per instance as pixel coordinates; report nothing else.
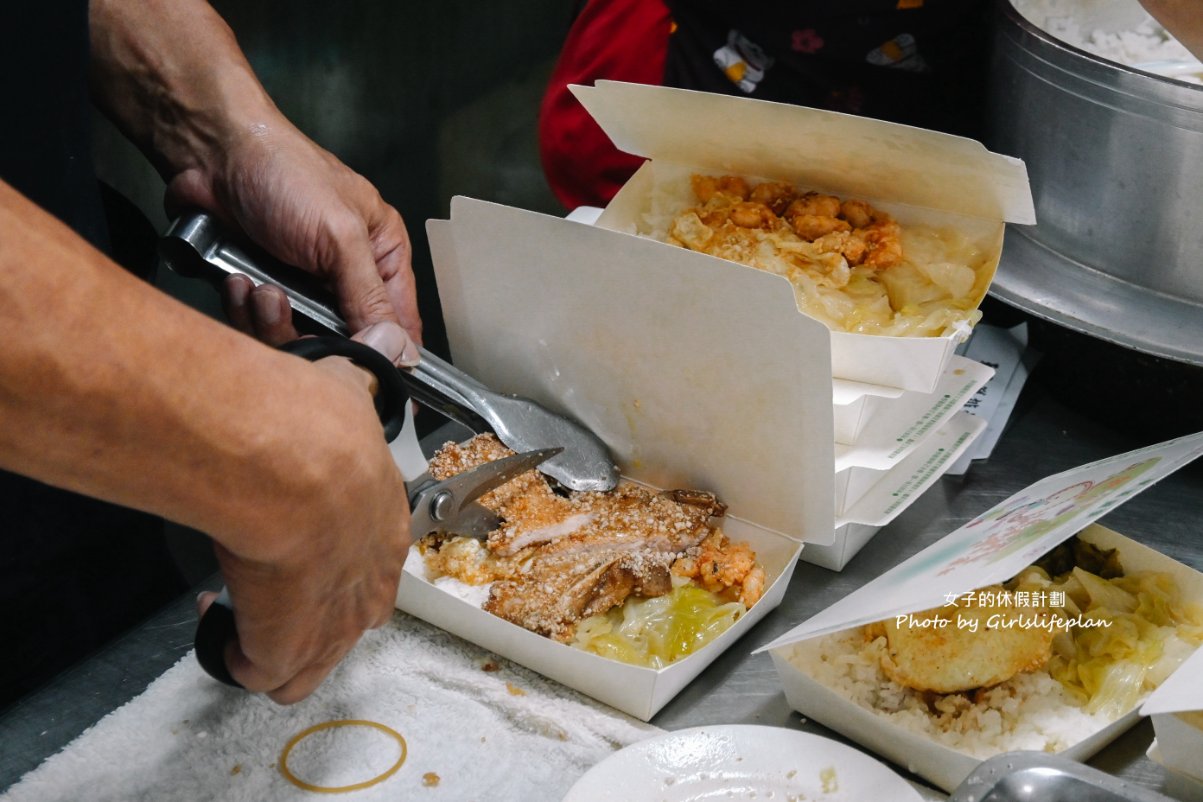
(736, 762)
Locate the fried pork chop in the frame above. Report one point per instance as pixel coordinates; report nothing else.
(557, 560)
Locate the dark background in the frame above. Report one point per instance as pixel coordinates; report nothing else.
(427, 101)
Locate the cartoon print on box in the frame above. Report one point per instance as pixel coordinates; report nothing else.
(1018, 525)
(900, 53)
(742, 61)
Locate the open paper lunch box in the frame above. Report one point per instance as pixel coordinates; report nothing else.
(1176, 709)
(992, 548)
(580, 320)
(890, 394)
(916, 175)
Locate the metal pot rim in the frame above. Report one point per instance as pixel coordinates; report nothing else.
(1050, 286)
(1083, 63)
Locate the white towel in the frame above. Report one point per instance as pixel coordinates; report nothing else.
(476, 727)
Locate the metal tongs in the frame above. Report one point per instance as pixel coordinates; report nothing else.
(196, 246)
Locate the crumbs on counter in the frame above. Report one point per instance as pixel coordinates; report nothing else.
(831, 782)
(490, 666)
(514, 689)
(430, 779)
(236, 770)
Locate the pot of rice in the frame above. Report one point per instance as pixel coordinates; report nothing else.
(1109, 121)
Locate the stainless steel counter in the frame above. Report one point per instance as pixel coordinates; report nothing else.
(1044, 437)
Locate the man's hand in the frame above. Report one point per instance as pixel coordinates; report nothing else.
(154, 406)
(171, 75)
(302, 603)
(1183, 19)
(307, 209)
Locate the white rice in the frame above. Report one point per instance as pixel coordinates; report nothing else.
(1147, 45)
(476, 595)
(1031, 711)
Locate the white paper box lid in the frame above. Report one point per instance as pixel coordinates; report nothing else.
(693, 373)
(844, 392)
(1181, 692)
(1002, 541)
(824, 150)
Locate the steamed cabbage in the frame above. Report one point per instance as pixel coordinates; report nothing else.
(654, 632)
(933, 289)
(1151, 631)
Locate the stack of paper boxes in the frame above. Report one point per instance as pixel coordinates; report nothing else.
(896, 425)
(890, 446)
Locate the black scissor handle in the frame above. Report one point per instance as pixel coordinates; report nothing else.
(391, 395)
(214, 630)
(216, 627)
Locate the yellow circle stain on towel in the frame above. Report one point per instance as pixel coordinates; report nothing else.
(339, 789)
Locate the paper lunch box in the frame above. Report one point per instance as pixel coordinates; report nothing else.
(898, 453)
(990, 549)
(916, 175)
(902, 427)
(907, 441)
(693, 378)
(874, 498)
(1176, 709)
(888, 420)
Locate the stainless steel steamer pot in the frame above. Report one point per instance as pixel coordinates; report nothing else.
(1115, 158)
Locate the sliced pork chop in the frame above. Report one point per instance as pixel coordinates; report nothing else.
(557, 560)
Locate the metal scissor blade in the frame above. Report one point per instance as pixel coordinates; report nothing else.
(473, 521)
(471, 485)
(439, 506)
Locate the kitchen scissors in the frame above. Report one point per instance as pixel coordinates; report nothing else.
(446, 505)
